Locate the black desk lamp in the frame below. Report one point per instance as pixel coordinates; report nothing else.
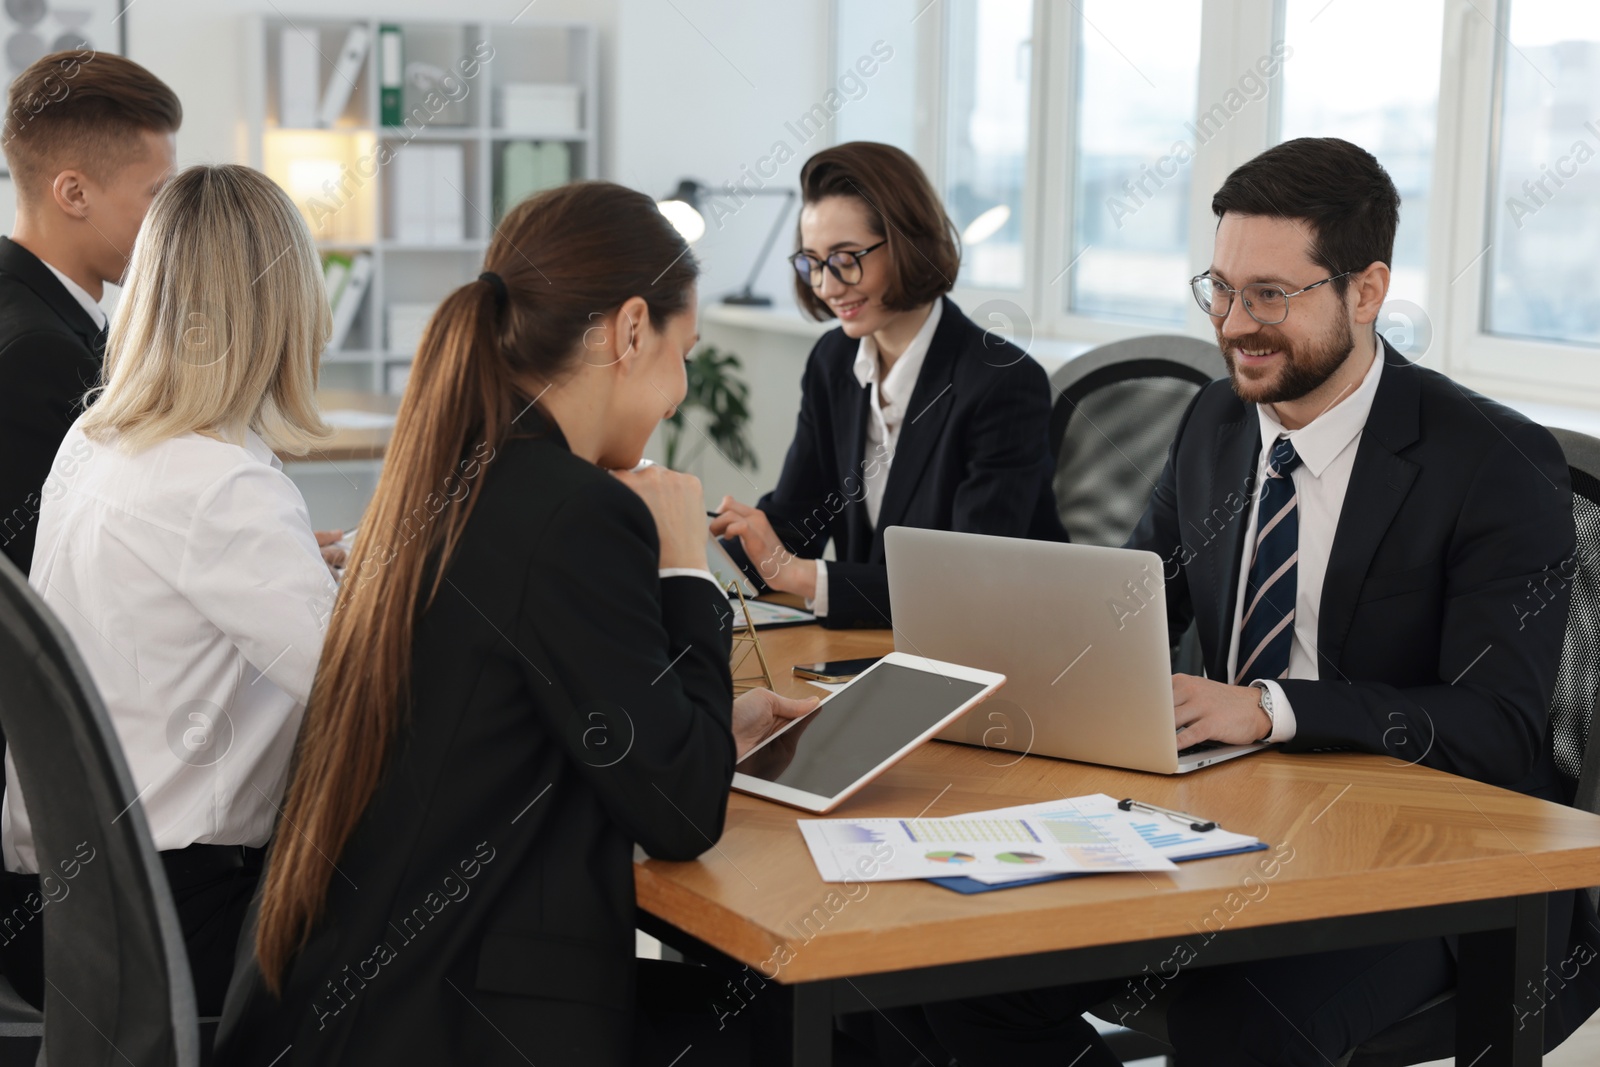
(682, 209)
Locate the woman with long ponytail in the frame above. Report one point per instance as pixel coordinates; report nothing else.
(524, 675)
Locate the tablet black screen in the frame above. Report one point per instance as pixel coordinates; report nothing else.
(858, 728)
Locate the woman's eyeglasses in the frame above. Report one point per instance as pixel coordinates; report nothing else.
(846, 266)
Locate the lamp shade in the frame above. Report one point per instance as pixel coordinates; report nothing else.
(682, 209)
(986, 225)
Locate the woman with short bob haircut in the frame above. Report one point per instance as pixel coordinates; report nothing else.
(519, 685)
(179, 556)
(910, 413)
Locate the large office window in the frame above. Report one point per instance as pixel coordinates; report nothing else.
(1136, 141)
(1377, 90)
(1545, 208)
(988, 72)
(882, 107)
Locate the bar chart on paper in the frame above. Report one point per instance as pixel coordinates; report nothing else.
(1079, 822)
(1063, 841)
(1003, 831)
(1166, 836)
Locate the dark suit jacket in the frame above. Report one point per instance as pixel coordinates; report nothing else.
(1457, 509)
(566, 704)
(973, 455)
(50, 355)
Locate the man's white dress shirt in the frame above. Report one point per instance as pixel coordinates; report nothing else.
(81, 295)
(887, 402)
(1327, 449)
(188, 578)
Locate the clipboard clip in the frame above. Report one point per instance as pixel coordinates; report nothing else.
(1194, 823)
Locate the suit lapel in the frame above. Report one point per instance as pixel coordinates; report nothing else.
(30, 270)
(1379, 483)
(931, 403)
(1235, 454)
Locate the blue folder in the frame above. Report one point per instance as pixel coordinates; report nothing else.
(963, 884)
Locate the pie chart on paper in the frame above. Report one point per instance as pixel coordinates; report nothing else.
(1019, 857)
(955, 859)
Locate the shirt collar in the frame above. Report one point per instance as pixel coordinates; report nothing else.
(905, 369)
(257, 447)
(1319, 442)
(81, 295)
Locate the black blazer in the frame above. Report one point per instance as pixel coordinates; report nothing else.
(1432, 647)
(566, 703)
(50, 355)
(973, 455)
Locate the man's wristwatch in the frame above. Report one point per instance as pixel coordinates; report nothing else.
(1265, 703)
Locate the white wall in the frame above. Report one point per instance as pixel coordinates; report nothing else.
(706, 91)
(705, 88)
(196, 46)
(694, 88)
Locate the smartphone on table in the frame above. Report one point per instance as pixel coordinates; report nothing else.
(835, 670)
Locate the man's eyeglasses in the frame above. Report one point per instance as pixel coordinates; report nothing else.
(1267, 304)
(846, 266)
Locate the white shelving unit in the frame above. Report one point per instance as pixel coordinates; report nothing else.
(343, 177)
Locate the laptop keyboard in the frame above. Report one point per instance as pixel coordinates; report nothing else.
(1204, 746)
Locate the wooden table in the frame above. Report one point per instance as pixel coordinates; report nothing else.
(351, 443)
(1371, 851)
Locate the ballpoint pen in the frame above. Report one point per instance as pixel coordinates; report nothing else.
(1196, 824)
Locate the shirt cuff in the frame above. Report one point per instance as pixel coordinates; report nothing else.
(692, 572)
(1283, 722)
(818, 604)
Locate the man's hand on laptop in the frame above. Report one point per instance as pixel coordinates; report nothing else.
(1212, 711)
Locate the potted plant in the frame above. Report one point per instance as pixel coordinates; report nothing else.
(717, 389)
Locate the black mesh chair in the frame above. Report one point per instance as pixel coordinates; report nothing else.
(1116, 412)
(118, 989)
(1429, 1033)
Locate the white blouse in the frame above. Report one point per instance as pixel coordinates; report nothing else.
(188, 576)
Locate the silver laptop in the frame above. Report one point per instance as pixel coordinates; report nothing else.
(1079, 631)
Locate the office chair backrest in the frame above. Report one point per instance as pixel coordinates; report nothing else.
(1578, 683)
(1116, 411)
(117, 987)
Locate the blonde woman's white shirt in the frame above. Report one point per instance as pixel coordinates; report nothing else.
(188, 576)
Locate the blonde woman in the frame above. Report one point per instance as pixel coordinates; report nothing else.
(178, 554)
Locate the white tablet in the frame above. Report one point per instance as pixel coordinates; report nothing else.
(725, 570)
(861, 731)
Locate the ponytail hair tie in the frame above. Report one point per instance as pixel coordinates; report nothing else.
(498, 284)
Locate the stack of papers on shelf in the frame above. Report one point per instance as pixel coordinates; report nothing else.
(1010, 846)
(352, 419)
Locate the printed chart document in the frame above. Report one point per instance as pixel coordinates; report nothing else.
(1169, 838)
(764, 614)
(886, 850)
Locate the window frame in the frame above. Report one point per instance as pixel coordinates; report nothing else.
(1527, 368)
(1234, 33)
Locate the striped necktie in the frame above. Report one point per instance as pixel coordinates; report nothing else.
(1266, 631)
